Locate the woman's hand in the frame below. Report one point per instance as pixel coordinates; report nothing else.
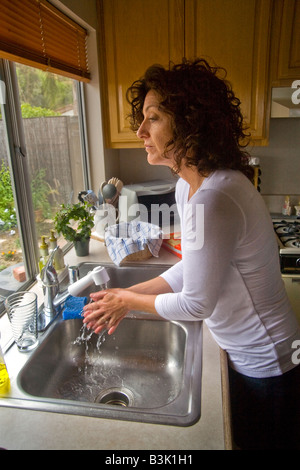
(107, 310)
(110, 306)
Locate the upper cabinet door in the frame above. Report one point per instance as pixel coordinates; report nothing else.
(285, 58)
(136, 34)
(235, 35)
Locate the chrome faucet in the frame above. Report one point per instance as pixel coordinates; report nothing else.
(52, 299)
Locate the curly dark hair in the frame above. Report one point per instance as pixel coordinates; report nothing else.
(208, 127)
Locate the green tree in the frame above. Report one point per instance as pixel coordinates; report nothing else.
(29, 111)
(43, 89)
(42, 93)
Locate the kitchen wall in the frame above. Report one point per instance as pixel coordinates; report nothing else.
(280, 163)
(135, 168)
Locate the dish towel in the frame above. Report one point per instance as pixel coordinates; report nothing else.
(126, 238)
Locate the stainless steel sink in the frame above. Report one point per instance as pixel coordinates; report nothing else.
(149, 370)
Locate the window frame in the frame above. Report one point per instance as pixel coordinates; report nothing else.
(11, 114)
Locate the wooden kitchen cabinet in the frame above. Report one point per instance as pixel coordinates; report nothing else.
(236, 36)
(285, 52)
(138, 33)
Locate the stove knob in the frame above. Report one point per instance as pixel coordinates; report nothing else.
(298, 262)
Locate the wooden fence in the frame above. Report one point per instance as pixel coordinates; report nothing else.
(53, 144)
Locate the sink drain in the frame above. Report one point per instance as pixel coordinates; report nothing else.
(115, 396)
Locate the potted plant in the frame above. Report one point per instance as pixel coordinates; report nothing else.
(75, 223)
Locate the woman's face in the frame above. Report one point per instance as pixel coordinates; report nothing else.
(156, 131)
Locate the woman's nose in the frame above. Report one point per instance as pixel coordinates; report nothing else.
(141, 132)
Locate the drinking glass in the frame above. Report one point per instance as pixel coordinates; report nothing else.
(22, 312)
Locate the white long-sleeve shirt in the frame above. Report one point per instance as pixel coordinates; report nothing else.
(231, 276)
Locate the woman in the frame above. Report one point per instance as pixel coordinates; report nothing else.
(190, 121)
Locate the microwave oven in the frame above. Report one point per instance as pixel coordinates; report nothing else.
(150, 201)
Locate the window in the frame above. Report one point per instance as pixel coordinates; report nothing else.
(42, 164)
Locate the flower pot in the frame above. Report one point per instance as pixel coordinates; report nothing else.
(82, 247)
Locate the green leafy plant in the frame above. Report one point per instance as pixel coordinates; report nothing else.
(8, 218)
(74, 222)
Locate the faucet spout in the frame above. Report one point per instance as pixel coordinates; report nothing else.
(52, 300)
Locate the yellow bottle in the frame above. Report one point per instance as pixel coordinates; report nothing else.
(4, 377)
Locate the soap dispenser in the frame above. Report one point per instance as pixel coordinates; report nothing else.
(58, 261)
(44, 251)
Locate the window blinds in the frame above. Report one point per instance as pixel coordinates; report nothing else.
(36, 33)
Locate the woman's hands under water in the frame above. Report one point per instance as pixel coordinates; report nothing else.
(110, 306)
(106, 311)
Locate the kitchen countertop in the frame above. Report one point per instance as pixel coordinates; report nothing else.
(26, 429)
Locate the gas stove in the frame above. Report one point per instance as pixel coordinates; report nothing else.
(288, 237)
(288, 233)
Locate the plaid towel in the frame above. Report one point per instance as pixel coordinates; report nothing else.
(125, 238)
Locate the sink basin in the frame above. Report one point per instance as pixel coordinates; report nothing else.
(149, 370)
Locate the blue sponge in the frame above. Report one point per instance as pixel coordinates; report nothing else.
(73, 307)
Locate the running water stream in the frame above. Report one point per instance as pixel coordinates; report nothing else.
(84, 338)
(89, 372)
